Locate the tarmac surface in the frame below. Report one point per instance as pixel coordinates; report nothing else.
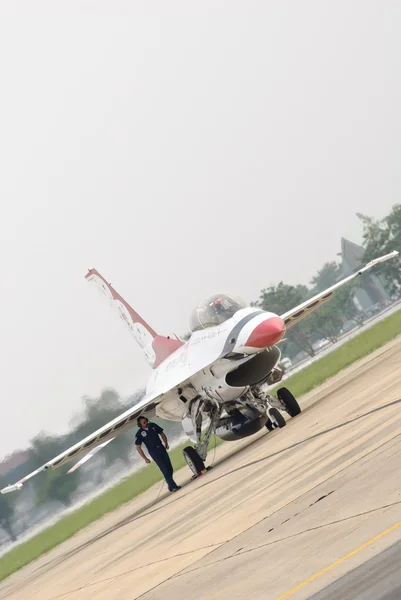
(309, 511)
(379, 577)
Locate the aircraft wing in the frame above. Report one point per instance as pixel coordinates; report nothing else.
(293, 316)
(86, 457)
(98, 439)
(179, 376)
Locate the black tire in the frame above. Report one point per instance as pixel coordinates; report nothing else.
(269, 425)
(193, 460)
(291, 405)
(277, 418)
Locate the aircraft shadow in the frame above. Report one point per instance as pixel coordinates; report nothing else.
(301, 442)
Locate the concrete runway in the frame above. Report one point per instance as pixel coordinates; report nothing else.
(312, 510)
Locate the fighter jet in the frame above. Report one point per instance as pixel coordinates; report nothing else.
(218, 382)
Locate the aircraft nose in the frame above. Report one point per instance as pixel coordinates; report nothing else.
(267, 333)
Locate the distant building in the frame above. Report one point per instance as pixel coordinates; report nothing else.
(372, 289)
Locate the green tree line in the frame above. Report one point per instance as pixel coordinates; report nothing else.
(330, 320)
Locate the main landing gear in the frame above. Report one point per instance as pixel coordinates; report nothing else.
(284, 401)
(247, 415)
(276, 419)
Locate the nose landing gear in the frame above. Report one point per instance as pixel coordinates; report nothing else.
(195, 457)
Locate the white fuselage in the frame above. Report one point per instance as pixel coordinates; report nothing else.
(185, 369)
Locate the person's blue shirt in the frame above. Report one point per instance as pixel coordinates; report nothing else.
(149, 437)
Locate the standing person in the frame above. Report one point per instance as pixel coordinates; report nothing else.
(150, 434)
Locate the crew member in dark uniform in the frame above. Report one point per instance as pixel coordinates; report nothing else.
(150, 434)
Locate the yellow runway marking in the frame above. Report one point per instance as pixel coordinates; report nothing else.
(339, 561)
(322, 572)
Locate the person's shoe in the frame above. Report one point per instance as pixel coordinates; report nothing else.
(176, 488)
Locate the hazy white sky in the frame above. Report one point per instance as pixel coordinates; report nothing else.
(181, 148)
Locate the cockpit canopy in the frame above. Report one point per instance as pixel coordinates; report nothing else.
(215, 310)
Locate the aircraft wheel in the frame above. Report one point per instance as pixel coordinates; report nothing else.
(291, 405)
(193, 460)
(269, 425)
(276, 418)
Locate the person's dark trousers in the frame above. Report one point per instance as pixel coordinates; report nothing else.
(162, 459)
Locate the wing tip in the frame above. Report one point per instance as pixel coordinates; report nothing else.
(11, 488)
(380, 259)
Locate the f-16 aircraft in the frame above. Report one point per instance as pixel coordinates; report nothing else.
(216, 382)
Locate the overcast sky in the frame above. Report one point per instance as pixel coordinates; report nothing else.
(181, 148)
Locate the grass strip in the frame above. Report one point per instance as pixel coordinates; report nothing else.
(358, 347)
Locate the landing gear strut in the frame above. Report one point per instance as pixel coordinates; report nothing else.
(195, 457)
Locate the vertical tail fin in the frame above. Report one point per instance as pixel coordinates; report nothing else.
(156, 347)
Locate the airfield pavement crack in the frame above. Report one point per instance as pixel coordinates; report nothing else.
(184, 571)
(242, 551)
(113, 577)
(238, 552)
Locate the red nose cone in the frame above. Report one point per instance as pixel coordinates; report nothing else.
(267, 334)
